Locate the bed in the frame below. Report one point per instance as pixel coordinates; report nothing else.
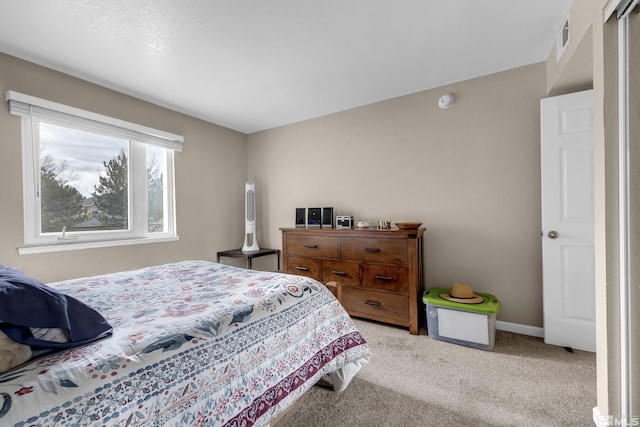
(192, 343)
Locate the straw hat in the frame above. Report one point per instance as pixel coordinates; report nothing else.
(459, 292)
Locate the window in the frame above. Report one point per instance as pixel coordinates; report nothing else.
(91, 180)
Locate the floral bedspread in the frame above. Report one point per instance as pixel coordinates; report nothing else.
(194, 343)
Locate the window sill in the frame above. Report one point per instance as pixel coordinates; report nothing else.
(91, 245)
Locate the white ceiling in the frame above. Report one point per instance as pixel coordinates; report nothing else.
(252, 65)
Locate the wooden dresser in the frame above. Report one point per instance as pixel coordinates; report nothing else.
(374, 274)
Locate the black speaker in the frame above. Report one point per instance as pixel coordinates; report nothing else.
(327, 217)
(300, 217)
(314, 217)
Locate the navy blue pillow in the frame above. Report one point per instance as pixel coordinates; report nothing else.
(26, 303)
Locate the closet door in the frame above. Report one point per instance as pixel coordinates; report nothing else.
(568, 242)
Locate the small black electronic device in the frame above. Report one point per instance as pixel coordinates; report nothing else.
(343, 221)
(300, 217)
(314, 217)
(327, 217)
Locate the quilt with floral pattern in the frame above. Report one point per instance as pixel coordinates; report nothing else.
(194, 343)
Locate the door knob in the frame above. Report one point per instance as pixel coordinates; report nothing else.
(553, 234)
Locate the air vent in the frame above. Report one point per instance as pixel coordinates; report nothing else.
(562, 40)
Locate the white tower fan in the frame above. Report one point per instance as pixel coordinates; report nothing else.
(250, 240)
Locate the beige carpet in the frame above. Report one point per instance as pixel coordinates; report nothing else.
(420, 381)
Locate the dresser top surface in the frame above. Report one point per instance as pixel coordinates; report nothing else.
(356, 232)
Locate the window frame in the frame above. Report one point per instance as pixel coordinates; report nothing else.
(33, 111)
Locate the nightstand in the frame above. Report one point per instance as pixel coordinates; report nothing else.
(250, 255)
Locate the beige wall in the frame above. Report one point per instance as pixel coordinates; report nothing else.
(470, 173)
(210, 175)
(574, 71)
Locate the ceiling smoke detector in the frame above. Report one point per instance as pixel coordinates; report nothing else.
(446, 101)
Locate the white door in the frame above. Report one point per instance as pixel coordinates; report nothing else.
(568, 256)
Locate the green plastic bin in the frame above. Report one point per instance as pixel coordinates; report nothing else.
(472, 325)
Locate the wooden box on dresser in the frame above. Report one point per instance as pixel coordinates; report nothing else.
(375, 274)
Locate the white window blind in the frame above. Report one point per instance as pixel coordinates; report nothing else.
(42, 109)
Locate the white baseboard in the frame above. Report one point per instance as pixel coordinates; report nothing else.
(517, 328)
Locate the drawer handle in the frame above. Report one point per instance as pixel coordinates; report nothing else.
(371, 250)
(302, 268)
(311, 246)
(341, 273)
(384, 277)
(373, 303)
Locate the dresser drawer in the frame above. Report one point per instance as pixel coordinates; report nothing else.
(387, 277)
(386, 251)
(375, 304)
(343, 272)
(303, 267)
(312, 246)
